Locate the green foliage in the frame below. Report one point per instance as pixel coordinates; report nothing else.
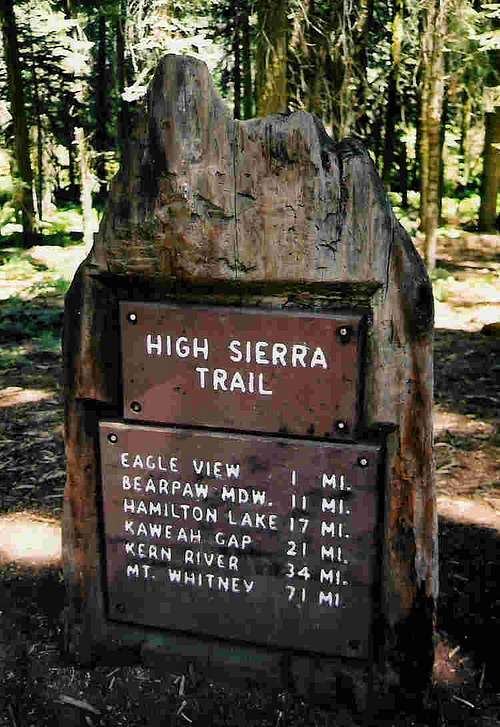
(6, 189)
(38, 272)
(13, 357)
(16, 265)
(53, 287)
(154, 29)
(48, 341)
(340, 60)
(21, 319)
(16, 355)
(7, 214)
(62, 227)
(442, 281)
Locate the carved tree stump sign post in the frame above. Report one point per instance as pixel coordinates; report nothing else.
(248, 424)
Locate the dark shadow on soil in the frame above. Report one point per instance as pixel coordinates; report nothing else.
(31, 602)
(34, 672)
(466, 367)
(469, 600)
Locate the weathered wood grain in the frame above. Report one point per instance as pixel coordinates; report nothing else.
(269, 212)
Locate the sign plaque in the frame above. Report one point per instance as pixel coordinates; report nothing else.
(246, 369)
(245, 537)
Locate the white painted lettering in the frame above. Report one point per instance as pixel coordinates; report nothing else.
(260, 353)
(153, 346)
(200, 348)
(236, 354)
(299, 354)
(318, 359)
(202, 371)
(182, 347)
(219, 379)
(237, 383)
(262, 390)
(329, 599)
(279, 352)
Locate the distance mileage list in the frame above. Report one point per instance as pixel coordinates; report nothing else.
(243, 537)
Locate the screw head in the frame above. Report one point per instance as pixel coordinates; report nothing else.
(132, 318)
(344, 334)
(136, 407)
(120, 608)
(341, 426)
(112, 438)
(363, 462)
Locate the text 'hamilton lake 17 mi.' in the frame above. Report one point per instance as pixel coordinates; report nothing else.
(239, 516)
(236, 368)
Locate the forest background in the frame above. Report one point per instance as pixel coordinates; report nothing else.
(417, 80)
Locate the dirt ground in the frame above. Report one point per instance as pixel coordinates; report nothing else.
(39, 687)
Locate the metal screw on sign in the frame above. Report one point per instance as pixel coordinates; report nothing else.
(135, 406)
(363, 462)
(132, 318)
(112, 438)
(120, 608)
(344, 334)
(341, 426)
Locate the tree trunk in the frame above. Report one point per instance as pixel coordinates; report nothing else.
(415, 175)
(271, 58)
(403, 175)
(86, 187)
(121, 78)
(464, 130)
(101, 105)
(71, 163)
(361, 45)
(316, 53)
(246, 61)
(391, 119)
(442, 142)
(39, 164)
(393, 113)
(237, 63)
(491, 172)
(344, 68)
(376, 141)
(39, 136)
(15, 86)
(432, 68)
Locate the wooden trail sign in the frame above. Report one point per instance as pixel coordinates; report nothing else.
(292, 373)
(248, 409)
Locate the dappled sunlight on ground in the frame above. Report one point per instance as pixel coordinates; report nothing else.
(466, 458)
(29, 540)
(16, 396)
(465, 318)
(466, 281)
(447, 420)
(64, 259)
(39, 270)
(479, 512)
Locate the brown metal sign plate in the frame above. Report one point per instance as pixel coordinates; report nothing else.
(244, 537)
(246, 369)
